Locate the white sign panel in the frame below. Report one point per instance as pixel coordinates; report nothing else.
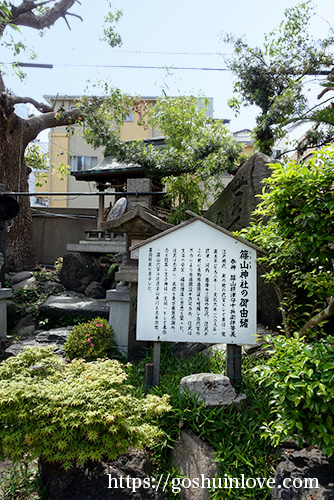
(197, 284)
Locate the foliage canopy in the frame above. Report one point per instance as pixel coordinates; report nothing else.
(197, 148)
(272, 77)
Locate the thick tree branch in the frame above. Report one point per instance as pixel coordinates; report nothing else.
(27, 6)
(322, 316)
(23, 15)
(43, 108)
(52, 119)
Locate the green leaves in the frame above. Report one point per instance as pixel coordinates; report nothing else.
(294, 225)
(72, 412)
(109, 34)
(300, 378)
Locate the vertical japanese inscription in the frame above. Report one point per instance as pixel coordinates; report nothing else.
(223, 293)
(233, 300)
(190, 290)
(215, 292)
(173, 308)
(165, 291)
(245, 266)
(206, 291)
(157, 292)
(182, 288)
(199, 291)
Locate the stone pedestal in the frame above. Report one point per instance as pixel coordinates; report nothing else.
(119, 300)
(5, 293)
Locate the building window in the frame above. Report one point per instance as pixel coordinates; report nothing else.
(129, 117)
(82, 163)
(276, 153)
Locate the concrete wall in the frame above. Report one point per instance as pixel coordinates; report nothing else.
(52, 233)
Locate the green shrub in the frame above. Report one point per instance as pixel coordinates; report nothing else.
(90, 341)
(300, 377)
(30, 300)
(234, 436)
(293, 223)
(72, 412)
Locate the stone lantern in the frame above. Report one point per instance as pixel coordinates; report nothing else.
(139, 224)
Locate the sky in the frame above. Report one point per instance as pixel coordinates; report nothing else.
(162, 35)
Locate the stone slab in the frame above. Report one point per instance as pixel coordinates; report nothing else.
(21, 276)
(71, 304)
(96, 247)
(29, 284)
(128, 275)
(55, 336)
(5, 293)
(118, 295)
(195, 459)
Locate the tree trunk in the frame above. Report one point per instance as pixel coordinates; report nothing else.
(16, 133)
(20, 249)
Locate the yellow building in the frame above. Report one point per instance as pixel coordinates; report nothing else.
(72, 150)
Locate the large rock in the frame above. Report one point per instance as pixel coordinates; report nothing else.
(232, 211)
(195, 460)
(55, 337)
(71, 305)
(78, 270)
(297, 466)
(95, 290)
(53, 287)
(25, 326)
(215, 389)
(125, 476)
(28, 284)
(21, 276)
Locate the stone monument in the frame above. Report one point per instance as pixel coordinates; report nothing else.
(232, 211)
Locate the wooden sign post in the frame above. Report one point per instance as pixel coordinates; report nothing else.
(197, 283)
(156, 363)
(233, 363)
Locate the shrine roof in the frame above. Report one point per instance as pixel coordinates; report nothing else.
(139, 219)
(194, 218)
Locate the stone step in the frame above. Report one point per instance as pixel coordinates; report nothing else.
(41, 338)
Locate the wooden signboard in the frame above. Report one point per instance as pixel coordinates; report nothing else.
(197, 283)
